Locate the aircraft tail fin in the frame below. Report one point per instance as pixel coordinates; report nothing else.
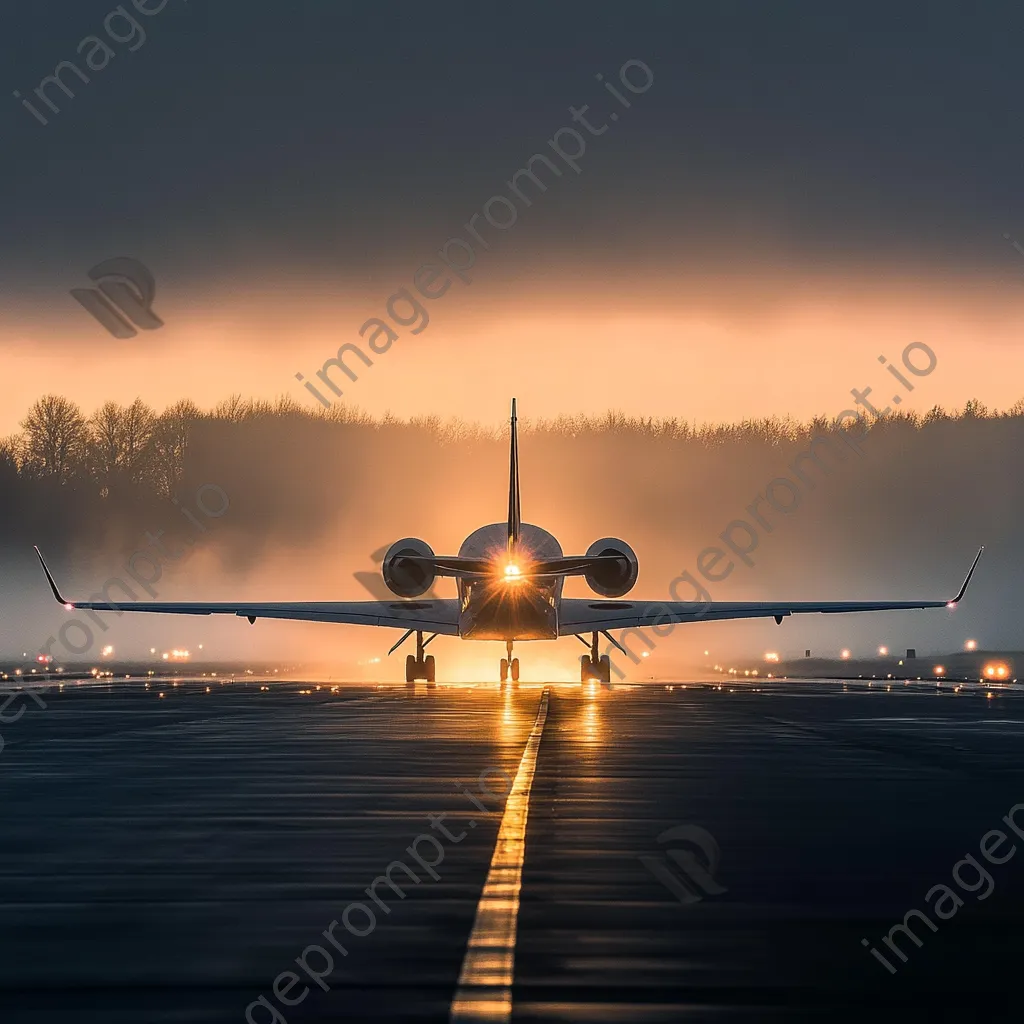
(514, 520)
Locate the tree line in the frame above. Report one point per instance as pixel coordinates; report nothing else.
(121, 448)
(293, 472)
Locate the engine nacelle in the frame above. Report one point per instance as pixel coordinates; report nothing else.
(405, 578)
(616, 578)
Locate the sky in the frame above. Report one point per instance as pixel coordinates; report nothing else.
(793, 190)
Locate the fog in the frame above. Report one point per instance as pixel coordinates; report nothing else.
(297, 503)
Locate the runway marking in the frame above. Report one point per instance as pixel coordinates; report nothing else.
(484, 991)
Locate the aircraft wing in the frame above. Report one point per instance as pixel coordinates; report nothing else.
(436, 616)
(581, 615)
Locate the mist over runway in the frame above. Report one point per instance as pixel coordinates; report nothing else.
(177, 857)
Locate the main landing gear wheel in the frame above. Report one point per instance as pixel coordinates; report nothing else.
(504, 670)
(515, 670)
(600, 673)
(419, 665)
(595, 667)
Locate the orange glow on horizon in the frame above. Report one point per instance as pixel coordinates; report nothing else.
(732, 322)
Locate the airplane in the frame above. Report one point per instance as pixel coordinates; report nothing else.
(509, 578)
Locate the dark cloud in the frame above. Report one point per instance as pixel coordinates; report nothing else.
(315, 134)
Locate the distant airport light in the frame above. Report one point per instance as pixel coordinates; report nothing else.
(939, 670)
(107, 651)
(844, 653)
(883, 651)
(971, 645)
(995, 670)
(771, 655)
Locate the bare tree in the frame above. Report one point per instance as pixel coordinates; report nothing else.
(170, 444)
(234, 409)
(55, 441)
(121, 445)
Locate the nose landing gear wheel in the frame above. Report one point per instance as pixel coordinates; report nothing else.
(515, 670)
(504, 670)
(429, 672)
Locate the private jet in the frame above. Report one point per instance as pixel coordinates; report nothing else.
(509, 579)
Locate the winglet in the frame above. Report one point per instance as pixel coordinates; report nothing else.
(50, 580)
(963, 590)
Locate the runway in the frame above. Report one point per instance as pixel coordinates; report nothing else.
(166, 858)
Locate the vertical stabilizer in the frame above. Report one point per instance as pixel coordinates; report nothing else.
(513, 485)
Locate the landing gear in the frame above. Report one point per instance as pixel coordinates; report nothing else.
(509, 665)
(595, 667)
(420, 666)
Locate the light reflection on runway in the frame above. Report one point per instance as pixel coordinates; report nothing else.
(484, 990)
(165, 860)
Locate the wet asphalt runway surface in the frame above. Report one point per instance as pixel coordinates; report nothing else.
(164, 859)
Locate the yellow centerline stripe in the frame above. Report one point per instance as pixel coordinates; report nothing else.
(484, 991)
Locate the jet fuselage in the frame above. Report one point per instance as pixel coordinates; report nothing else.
(503, 609)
